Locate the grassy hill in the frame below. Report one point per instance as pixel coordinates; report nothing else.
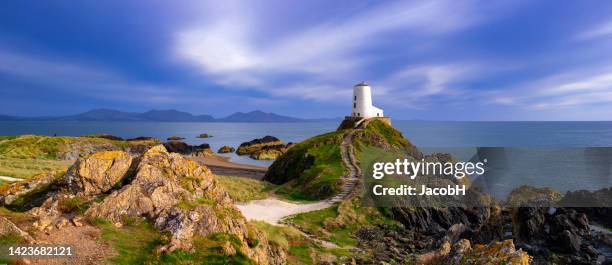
(28, 155)
(312, 169)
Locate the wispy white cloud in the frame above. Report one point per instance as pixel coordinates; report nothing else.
(226, 48)
(575, 88)
(598, 31)
(422, 85)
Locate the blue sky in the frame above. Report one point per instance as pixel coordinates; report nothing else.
(439, 60)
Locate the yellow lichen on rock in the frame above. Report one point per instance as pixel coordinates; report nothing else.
(502, 252)
(98, 173)
(182, 198)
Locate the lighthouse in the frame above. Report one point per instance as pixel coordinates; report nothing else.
(362, 102)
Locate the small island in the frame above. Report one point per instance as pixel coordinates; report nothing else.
(266, 148)
(226, 149)
(204, 135)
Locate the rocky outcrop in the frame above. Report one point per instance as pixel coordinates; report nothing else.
(434, 221)
(79, 149)
(595, 204)
(162, 180)
(75, 149)
(255, 145)
(185, 149)
(542, 230)
(9, 228)
(182, 198)
(270, 152)
(462, 252)
(98, 173)
(175, 138)
(178, 196)
(524, 196)
(226, 149)
(29, 190)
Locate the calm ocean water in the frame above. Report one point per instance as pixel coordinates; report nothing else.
(432, 134)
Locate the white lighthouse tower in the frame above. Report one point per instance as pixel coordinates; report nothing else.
(362, 102)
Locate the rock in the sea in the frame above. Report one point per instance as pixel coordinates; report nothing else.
(226, 149)
(105, 136)
(175, 138)
(143, 138)
(98, 173)
(185, 149)
(270, 152)
(204, 135)
(267, 148)
(255, 145)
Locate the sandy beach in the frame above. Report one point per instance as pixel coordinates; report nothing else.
(221, 165)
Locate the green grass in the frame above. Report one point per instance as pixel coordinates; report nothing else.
(282, 236)
(27, 167)
(133, 243)
(390, 134)
(208, 250)
(31, 199)
(27, 155)
(137, 240)
(314, 223)
(187, 205)
(300, 249)
(245, 189)
(10, 239)
(76, 204)
(311, 169)
(339, 223)
(31, 146)
(15, 217)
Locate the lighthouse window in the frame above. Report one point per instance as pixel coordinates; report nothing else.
(355, 97)
(358, 114)
(354, 105)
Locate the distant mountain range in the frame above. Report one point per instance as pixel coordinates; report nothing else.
(170, 115)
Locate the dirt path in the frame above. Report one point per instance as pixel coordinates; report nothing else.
(348, 157)
(89, 249)
(272, 210)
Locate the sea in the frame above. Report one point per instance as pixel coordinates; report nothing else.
(555, 143)
(431, 135)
